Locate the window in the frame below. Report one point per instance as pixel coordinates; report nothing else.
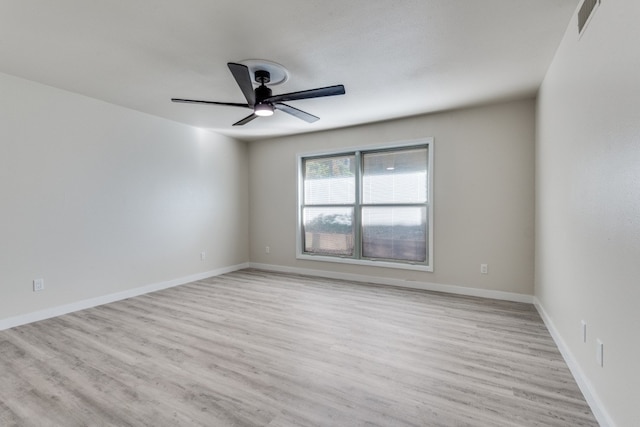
(368, 206)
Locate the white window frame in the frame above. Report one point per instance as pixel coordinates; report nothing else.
(300, 254)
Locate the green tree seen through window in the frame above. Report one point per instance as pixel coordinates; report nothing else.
(333, 167)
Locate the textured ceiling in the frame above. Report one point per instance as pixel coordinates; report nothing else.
(396, 58)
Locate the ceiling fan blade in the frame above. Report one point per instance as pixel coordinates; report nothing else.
(243, 78)
(245, 120)
(305, 94)
(309, 118)
(195, 101)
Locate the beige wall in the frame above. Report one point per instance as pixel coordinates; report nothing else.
(483, 195)
(98, 199)
(588, 202)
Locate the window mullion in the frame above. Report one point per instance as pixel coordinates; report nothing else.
(357, 211)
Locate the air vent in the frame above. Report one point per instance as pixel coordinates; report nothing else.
(585, 13)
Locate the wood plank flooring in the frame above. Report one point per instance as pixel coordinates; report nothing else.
(253, 348)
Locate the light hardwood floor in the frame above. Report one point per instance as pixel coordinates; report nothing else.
(253, 348)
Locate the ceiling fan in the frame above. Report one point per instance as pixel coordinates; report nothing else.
(262, 101)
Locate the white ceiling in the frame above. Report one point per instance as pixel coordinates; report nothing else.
(396, 58)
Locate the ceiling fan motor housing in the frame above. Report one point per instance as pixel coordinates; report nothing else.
(262, 92)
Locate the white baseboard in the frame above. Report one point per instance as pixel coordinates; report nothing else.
(427, 286)
(590, 395)
(48, 313)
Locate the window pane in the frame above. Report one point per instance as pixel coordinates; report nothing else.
(329, 181)
(397, 233)
(395, 177)
(328, 231)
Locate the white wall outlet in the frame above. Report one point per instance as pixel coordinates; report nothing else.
(484, 268)
(267, 250)
(583, 330)
(599, 352)
(203, 256)
(38, 285)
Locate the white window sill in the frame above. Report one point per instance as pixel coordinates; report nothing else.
(367, 262)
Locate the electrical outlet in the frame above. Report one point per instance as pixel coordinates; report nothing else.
(203, 255)
(484, 268)
(38, 285)
(583, 330)
(599, 352)
(267, 250)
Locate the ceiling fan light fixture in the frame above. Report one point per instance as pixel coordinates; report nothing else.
(263, 110)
